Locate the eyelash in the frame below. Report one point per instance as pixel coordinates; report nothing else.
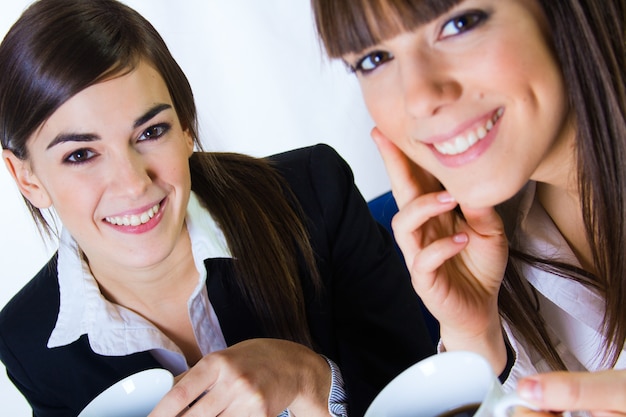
(463, 22)
(161, 128)
(376, 57)
(87, 154)
(72, 160)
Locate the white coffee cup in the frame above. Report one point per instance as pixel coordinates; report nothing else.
(133, 396)
(443, 383)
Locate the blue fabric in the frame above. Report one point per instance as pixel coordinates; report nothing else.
(383, 208)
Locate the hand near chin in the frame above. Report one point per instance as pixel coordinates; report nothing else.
(601, 393)
(260, 377)
(456, 262)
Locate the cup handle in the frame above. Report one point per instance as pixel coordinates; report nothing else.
(504, 406)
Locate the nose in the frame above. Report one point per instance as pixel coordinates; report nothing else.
(129, 174)
(428, 85)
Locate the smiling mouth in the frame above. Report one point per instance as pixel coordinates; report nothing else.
(134, 219)
(462, 143)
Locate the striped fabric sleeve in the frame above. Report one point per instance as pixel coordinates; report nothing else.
(337, 399)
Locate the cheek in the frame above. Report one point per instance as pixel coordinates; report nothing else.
(386, 114)
(176, 173)
(75, 205)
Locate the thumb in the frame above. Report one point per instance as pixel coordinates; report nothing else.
(569, 391)
(484, 221)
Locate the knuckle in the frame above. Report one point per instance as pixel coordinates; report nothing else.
(180, 394)
(245, 384)
(258, 403)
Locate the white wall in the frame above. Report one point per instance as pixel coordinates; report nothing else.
(261, 86)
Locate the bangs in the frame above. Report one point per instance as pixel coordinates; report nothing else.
(346, 26)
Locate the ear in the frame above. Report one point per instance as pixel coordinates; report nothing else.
(189, 142)
(27, 182)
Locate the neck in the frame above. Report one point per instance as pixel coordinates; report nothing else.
(564, 208)
(170, 281)
(160, 295)
(557, 192)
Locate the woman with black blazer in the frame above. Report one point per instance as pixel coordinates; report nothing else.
(263, 282)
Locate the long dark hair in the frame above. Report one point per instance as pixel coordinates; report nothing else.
(58, 48)
(588, 37)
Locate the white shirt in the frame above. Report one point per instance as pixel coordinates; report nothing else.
(573, 313)
(114, 330)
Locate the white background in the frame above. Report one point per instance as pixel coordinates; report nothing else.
(261, 85)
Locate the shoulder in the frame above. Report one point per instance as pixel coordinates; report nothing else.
(33, 310)
(319, 151)
(318, 169)
(307, 158)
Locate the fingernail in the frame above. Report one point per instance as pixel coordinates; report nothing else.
(460, 238)
(445, 197)
(530, 389)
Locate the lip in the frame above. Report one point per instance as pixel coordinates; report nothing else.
(462, 128)
(144, 227)
(474, 151)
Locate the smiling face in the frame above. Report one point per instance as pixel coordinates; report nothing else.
(475, 97)
(113, 162)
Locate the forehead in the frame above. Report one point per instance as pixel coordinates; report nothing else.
(119, 99)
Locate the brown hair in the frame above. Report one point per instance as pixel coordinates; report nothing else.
(58, 48)
(589, 40)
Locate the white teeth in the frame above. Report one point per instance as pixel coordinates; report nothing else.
(134, 219)
(462, 143)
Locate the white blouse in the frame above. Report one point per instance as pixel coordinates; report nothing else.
(573, 313)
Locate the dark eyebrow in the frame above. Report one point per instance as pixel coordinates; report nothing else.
(72, 137)
(151, 113)
(87, 137)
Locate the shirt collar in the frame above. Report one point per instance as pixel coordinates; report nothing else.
(113, 329)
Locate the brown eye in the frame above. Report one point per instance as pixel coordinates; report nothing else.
(154, 132)
(462, 23)
(79, 156)
(372, 61)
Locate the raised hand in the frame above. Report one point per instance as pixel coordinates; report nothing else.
(257, 377)
(456, 262)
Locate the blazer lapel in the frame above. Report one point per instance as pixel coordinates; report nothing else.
(234, 313)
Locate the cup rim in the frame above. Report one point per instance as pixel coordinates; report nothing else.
(162, 378)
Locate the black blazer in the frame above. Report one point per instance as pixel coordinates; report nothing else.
(368, 320)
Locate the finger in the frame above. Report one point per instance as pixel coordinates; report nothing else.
(594, 391)
(191, 386)
(213, 402)
(235, 398)
(408, 181)
(409, 223)
(247, 405)
(484, 221)
(431, 258)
